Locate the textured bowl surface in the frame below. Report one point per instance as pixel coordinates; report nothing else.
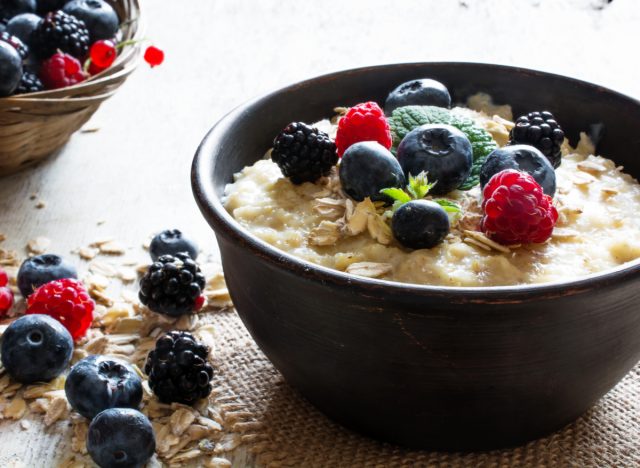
(426, 366)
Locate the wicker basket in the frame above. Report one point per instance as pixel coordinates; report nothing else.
(33, 126)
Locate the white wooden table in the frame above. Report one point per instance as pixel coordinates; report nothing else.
(133, 173)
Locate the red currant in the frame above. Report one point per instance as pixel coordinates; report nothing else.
(4, 279)
(153, 56)
(103, 53)
(6, 300)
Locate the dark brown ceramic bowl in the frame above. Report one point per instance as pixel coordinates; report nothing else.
(429, 366)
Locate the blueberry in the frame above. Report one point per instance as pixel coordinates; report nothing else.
(10, 69)
(424, 92)
(121, 437)
(11, 8)
(100, 382)
(522, 158)
(420, 224)
(171, 242)
(23, 25)
(38, 270)
(442, 151)
(368, 167)
(36, 348)
(100, 18)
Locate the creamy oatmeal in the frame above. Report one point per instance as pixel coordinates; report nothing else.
(317, 222)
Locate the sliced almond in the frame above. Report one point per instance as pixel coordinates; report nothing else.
(112, 248)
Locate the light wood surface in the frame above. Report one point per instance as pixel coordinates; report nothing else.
(133, 172)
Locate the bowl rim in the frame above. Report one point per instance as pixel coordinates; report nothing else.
(223, 223)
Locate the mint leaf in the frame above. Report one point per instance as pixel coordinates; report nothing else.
(396, 194)
(405, 119)
(448, 206)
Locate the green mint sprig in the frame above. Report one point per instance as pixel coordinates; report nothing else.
(418, 188)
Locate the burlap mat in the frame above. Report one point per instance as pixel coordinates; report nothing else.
(281, 429)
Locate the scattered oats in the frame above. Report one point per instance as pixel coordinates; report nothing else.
(326, 233)
(228, 442)
(100, 241)
(206, 335)
(78, 355)
(127, 275)
(127, 325)
(87, 253)
(142, 269)
(147, 243)
(79, 439)
(25, 425)
(217, 462)
(112, 248)
(582, 178)
(11, 390)
(100, 222)
(100, 297)
(5, 380)
(322, 193)
(103, 268)
(184, 456)
(16, 409)
(57, 409)
(33, 196)
(39, 405)
(97, 345)
(591, 167)
(89, 129)
(480, 237)
(2, 237)
(209, 423)
(472, 241)
(38, 245)
(41, 204)
(129, 296)
(369, 269)
(330, 207)
(181, 420)
(164, 438)
(39, 390)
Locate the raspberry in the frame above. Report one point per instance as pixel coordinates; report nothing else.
(6, 295)
(6, 300)
(4, 278)
(67, 301)
(516, 210)
(60, 71)
(364, 122)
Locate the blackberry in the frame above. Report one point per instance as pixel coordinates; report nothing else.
(178, 369)
(29, 83)
(173, 285)
(541, 130)
(60, 31)
(16, 43)
(303, 153)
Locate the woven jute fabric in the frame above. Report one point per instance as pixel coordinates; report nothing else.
(281, 429)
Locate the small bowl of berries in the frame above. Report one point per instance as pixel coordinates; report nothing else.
(59, 60)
